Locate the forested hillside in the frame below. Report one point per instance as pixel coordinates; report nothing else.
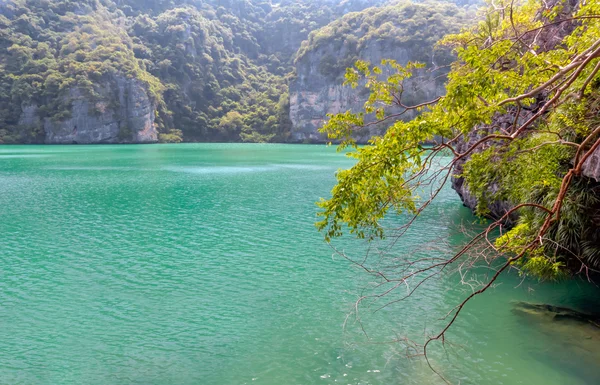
(404, 32)
(140, 71)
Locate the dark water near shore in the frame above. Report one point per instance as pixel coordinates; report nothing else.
(200, 264)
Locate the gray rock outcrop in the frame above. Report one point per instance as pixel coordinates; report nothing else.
(403, 32)
(591, 167)
(314, 94)
(547, 39)
(495, 209)
(121, 111)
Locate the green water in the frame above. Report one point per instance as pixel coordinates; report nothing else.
(200, 264)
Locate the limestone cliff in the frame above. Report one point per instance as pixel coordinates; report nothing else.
(120, 111)
(591, 167)
(314, 95)
(405, 32)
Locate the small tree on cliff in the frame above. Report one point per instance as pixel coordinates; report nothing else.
(521, 121)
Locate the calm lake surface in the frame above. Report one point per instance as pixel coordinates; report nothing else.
(200, 264)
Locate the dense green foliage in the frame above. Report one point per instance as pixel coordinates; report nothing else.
(529, 111)
(216, 70)
(209, 75)
(291, 22)
(51, 48)
(414, 27)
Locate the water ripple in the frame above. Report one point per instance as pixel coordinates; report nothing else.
(200, 264)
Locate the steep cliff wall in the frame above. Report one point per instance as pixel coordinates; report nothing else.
(121, 111)
(313, 95)
(405, 32)
(68, 74)
(290, 21)
(591, 167)
(496, 209)
(216, 68)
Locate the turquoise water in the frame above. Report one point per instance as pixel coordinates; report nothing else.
(200, 264)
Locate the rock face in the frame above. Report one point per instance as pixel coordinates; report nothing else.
(121, 111)
(591, 167)
(403, 32)
(497, 209)
(314, 94)
(282, 37)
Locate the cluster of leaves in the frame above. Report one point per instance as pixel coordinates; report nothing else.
(550, 97)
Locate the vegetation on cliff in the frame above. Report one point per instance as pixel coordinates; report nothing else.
(50, 49)
(413, 26)
(403, 32)
(215, 70)
(196, 65)
(520, 118)
(204, 63)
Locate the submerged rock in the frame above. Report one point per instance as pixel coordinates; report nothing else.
(573, 330)
(572, 338)
(550, 313)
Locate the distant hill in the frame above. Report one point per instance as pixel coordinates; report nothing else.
(104, 71)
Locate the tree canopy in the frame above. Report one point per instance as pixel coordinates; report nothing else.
(519, 124)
